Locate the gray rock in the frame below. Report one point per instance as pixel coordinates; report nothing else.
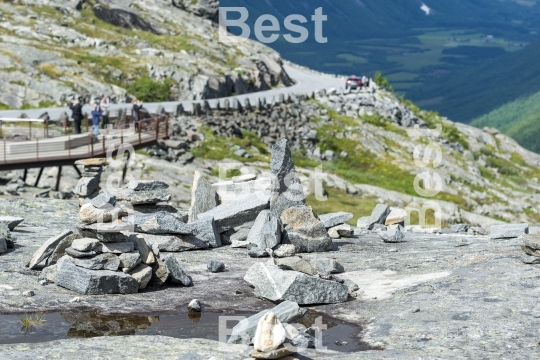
(378, 215)
(147, 197)
(238, 211)
(351, 285)
(203, 197)
(6, 234)
(3, 245)
(255, 233)
(338, 231)
(80, 254)
(106, 232)
(271, 233)
(49, 273)
(11, 221)
(364, 222)
(89, 214)
(146, 185)
(86, 186)
(287, 189)
(177, 274)
(459, 228)
(47, 248)
(215, 266)
(93, 282)
(531, 240)
(244, 331)
(297, 264)
(257, 252)
(105, 200)
(240, 235)
(304, 341)
(508, 231)
(160, 273)
(194, 305)
(118, 248)
(394, 235)
(239, 244)
(175, 243)
(86, 245)
(302, 229)
(144, 249)
(530, 251)
(205, 229)
(333, 219)
(274, 284)
(284, 250)
(142, 273)
(528, 259)
(158, 223)
(477, 230)
(327, 266)
(98, 262)
(128, 261)
(60, 249)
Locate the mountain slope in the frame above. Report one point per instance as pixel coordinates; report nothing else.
(53, 49)
(477, 91)
(519, 119)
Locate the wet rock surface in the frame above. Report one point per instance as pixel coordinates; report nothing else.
(429, 272)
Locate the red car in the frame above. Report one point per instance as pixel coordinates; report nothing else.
(353, 82)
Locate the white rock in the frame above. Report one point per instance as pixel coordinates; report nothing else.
(270, 333)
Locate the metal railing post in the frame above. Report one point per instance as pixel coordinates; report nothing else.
(30, 129)
(37, 148)
(4, 150)
(92, 145)
(166, 125)
(69, 146)
(157, 127)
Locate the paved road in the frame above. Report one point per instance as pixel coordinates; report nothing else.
(306, 82)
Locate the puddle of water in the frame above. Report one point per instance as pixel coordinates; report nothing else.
(339, 336)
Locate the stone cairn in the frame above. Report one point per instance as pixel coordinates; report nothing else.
(7, 225)
(125, 239)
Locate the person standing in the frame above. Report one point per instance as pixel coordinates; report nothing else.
(137, 106)
(105, 103)
(76, 115)
(96, 113)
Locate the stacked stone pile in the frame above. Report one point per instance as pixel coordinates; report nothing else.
(125, 238)
(88, 184)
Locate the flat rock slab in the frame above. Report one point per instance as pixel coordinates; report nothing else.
(99, 262)
(144, 197)
(333, 219)
(11, 221)
(158, 223)
(175, 243)
(94, 282)
(145, 185)
(509, 231)
(239, 211)
(203, 197)
(274, 284)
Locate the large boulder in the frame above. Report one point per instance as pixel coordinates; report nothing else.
(304, 230)
(274, 284)
(93, 282)
(244, 331)
(265, 232)
(203, 197)
(287, 189)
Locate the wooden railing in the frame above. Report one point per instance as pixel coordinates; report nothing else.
(55, 147)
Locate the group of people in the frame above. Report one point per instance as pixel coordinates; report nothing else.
(100, 113)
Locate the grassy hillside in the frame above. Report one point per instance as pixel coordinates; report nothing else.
(519, 119)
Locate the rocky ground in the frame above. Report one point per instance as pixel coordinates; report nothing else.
(54, 49)
(436, 296)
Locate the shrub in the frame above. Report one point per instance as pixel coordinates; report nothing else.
(382, 81)
(150, 90)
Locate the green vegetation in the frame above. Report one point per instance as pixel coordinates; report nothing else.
(338, 200)
(4, 106)
(218, 148)
(31, 321)
(382, 81)
(150, 90)
(519, 119)
(50, 71)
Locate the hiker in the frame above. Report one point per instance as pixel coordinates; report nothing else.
(96, 113)
(365, 81)
(137, 106)
(76, 115)
(105, 103)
